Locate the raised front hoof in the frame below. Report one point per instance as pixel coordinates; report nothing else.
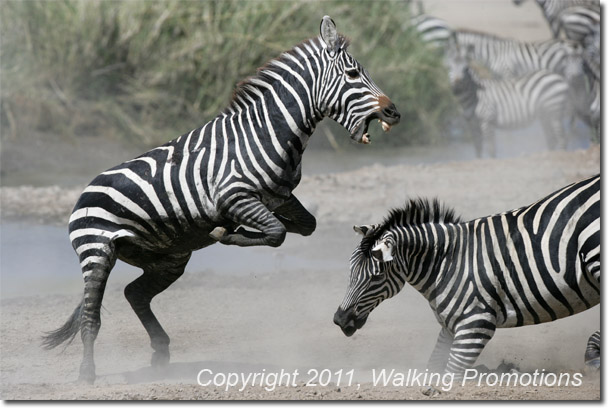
(160, 359)
(218, 233)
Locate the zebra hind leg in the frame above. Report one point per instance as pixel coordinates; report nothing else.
(592, 353)
(157, 277)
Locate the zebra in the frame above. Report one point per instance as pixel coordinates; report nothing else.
(531, 265)
(507, 57)
(579, 22)
(213, 183)
(490, 103)
(432, 30)
(571, 16)
(583, 75)
(592, 355)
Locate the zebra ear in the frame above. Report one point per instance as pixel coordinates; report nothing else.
(328, 32)
(365, 230)
(383, 252)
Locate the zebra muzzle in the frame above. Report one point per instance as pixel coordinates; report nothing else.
(348, 321)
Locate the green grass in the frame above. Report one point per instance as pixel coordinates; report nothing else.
(149, 71)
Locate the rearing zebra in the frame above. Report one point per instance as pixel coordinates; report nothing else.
(531, 265)
(236, 171)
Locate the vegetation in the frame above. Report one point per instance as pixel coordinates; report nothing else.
(150, 70)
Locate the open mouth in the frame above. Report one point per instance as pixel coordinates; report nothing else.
(361, 134)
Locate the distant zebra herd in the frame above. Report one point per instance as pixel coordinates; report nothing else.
(231, 181)
(566, 69)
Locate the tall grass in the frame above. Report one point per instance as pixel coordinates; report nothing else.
(149, 70)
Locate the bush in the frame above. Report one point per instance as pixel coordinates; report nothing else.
(151, 70)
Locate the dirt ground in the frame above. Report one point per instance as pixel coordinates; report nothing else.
(282, 320)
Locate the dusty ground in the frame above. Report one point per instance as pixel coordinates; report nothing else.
(254, 322)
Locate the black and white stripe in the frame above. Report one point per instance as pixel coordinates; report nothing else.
(592, 352)
(574, 17)
(531, 265)
(507, 57)
(432, 30)
(490, 103)
(209, 185)
(583, 72)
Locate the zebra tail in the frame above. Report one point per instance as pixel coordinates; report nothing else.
(65, 333)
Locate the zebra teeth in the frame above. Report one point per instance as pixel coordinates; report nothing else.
(386, 127)
(366, 139)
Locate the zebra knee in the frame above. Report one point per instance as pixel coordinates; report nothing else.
(135, 296)
(276, 238)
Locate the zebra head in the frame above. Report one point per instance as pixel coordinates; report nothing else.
(457, 61)
(374, 277)
(347, 93)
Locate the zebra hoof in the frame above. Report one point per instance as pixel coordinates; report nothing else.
(593, 366)
(218, 233)
(86, 375)
(430, 391)
(160, 358)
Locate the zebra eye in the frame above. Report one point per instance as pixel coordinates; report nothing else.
(352, 73)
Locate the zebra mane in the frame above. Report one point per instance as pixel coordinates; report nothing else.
(415, 212)
(249, 85)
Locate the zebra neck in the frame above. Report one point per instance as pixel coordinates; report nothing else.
(426, 255)
(466, 92)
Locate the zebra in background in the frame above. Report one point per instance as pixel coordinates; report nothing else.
(583, 75)
(507, 57)
(208, 185)
(432, 30)
(532, 265)
(489, 103)
(574, 17)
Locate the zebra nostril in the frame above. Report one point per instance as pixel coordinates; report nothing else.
(390, 111)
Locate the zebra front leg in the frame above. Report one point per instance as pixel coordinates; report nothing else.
(293, 215)
(157, 277)
(438, 358)
(554, 132)
(477, 138)
(252, 213)
(469, 341)
(488, 136)
(440, 354)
